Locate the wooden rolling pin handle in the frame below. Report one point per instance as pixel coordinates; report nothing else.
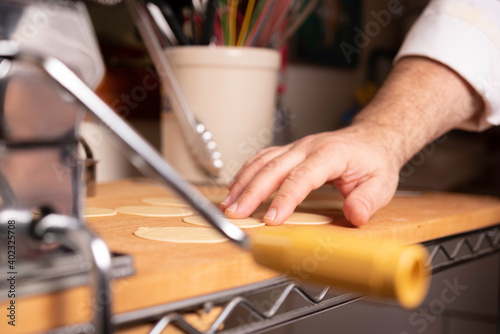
(374, 268)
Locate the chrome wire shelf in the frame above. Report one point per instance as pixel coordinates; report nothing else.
(264, 319)
(451, 251)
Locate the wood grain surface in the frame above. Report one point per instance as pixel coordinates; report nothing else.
(168, 272)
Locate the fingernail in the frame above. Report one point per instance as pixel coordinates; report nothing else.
(270, 214)
(226, 200)
(233, 207)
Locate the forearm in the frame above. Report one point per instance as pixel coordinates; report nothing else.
(420, 100)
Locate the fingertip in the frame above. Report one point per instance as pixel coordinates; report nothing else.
(237, 210)
(359, 221)
(231, 210)
(231, 214)
(271, 217)
(272, 222)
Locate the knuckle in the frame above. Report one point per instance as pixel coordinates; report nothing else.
(299, 174)
(238, 184)
(242, 181)
(287, 196)
(250, 191)
(268, 149)
(251, 170)
(259, 162)
(247, 163)
(332, 144)
(327, 146)
(272, 166)
(307, 139)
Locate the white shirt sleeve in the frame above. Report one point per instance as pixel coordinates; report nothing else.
(465, 36)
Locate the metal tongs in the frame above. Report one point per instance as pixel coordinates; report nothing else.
(152, 28)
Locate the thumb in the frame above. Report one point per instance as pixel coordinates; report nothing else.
(366, 199)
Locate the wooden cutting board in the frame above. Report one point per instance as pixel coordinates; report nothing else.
(168, 272)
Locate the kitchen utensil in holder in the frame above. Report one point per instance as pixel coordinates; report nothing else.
(199, 139)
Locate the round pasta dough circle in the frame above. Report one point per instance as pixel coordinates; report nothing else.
(322, 204)
(302, 218)
(165, 201)
(180, 234)
(91, 212)
(243, 223)
(154, 211)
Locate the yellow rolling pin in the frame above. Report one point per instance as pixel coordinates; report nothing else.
(375, 268)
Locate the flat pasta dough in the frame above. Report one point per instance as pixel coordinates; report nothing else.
(91, 212)
(324, 204)
(243, 223)
(302, 218)
(180, 234)
(165, 201)
(154, 211)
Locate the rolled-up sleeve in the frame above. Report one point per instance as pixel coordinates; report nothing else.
(465, 36)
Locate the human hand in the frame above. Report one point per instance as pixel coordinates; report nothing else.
(421, 100)
(358, 160)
